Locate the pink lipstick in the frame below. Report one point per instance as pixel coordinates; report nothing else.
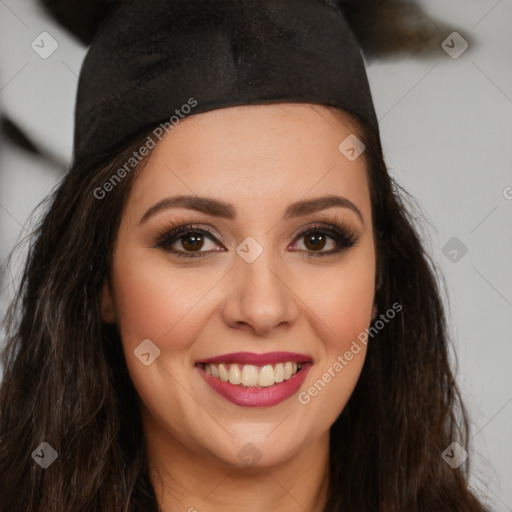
(248, 379)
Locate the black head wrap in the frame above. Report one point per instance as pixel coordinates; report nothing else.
(156, 61)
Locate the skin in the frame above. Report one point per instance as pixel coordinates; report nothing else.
(260, 159)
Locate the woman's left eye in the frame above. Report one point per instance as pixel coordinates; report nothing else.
(193, 239)
(316, 238)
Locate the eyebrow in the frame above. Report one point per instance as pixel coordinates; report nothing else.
(217, 208)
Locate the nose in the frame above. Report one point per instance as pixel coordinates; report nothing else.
(259, 300)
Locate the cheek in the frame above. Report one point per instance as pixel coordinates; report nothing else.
(156, 302)
(341, 310)
(342, 299)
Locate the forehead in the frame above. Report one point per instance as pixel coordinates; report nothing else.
(257, 157)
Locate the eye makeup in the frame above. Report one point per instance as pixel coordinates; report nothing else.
(195, 234)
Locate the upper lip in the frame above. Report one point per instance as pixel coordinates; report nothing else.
(257, 359)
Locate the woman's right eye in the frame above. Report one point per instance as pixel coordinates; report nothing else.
(191, 239)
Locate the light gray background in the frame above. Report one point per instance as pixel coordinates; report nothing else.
(447, 135)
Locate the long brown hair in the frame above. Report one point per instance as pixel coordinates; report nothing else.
(66, 381)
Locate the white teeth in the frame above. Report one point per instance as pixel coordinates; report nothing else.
(249, 375)
(214, 370)
(266, 376)
(288, 370)
(223, 373)
(235, 374)
(252, 376)
(279, 372)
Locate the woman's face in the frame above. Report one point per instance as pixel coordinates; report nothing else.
(280, 277)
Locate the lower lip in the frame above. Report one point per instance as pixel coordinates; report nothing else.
(257, 397)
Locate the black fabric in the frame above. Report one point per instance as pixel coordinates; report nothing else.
(151, 56)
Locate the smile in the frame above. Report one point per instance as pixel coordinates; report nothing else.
(255, 380)
(253, 376)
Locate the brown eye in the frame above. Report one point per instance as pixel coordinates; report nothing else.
(315, 241)
(189, 241)
(192, 241)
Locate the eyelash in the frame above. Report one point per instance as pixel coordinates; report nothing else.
(341, 234)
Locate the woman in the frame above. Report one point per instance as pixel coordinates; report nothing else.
(226, 305)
